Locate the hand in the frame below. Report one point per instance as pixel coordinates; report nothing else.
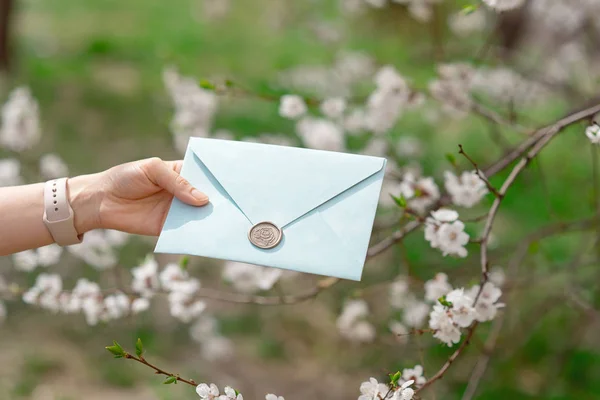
(133, 197)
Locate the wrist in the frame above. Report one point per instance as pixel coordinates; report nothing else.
(85, 196)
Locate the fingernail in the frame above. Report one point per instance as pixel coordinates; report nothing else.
(198, 195)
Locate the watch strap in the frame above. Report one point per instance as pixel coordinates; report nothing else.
(58, 214)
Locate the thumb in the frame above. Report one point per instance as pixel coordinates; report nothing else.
(163, 175)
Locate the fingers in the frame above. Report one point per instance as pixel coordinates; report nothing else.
(166, 176)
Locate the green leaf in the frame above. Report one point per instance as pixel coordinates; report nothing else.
(394, 378)
(400, 201)
(451, 159)
(183, 263)
(442, 300)
(204, 84)
(469, 9)
(116, 350)
(229, 83)
(170, 380)
(139, 347)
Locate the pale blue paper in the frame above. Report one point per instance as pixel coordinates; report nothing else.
(325, 202)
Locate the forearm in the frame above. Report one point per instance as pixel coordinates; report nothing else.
(22, 209)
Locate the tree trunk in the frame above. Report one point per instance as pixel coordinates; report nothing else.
(6, 7)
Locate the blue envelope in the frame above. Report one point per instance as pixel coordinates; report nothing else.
(285, 207)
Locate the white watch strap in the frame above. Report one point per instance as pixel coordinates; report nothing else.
(58, 214)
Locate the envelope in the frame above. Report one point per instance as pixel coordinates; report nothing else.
(285, 207)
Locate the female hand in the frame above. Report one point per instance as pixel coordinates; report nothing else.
(133, 197)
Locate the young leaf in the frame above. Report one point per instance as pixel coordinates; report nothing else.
(183, 263)
(204, 84)
(116, 350)
(170, 380)
(470, 9)
(451, 159)
(394, 378)
(400, 201)
(442, 300)
(139, 347)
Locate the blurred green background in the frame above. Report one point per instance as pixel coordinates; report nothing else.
(96, 69)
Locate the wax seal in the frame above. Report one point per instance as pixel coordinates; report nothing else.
(265, 235)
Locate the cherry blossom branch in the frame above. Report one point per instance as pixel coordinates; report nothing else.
(118, 352)
(482, 363)
(440, 374)
(481, 175)
(544, 135)
(159, 371)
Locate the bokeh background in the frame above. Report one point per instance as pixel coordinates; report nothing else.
(96, 68)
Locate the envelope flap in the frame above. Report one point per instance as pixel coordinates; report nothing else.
(278, 183)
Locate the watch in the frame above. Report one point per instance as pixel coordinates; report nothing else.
(58, 214)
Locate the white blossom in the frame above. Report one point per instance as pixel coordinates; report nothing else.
(207, 392)
(414, 374)
(10, 172)
(464, 24)
(409, 147)
(49, 255)
(273, 397)
(497, 276)
(250, 278)
(333, 107)
(25, 260)
(213, 345)
(195, 108)
(292, 106)
(376, 3)
(389, 188)
(441, 321)
(404, 392)
(145, 277)
(437, 287)
(444, 215)
(321, 134)
(466, 190)
(420, 193)
(487, 304)
(377, 147)
(463, 313)
(184, 307)
(52, 166)
(217, 348)
(355, 121)
(45, 292)
(116, 238)
(231, 394)
(415, 313)
(140, 305)
(401, 331)
(593, 133)
(371, 390)
(116, 305)
(20, 128)
(96, 250)
(399, 293)
(504, 5)
(452, 238)
(352, 323)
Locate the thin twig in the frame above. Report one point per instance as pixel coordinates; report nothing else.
(453, 357)
(159, 371)
(490, 187)
(482, 363)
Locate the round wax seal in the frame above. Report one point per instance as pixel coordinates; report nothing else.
(265, 235)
